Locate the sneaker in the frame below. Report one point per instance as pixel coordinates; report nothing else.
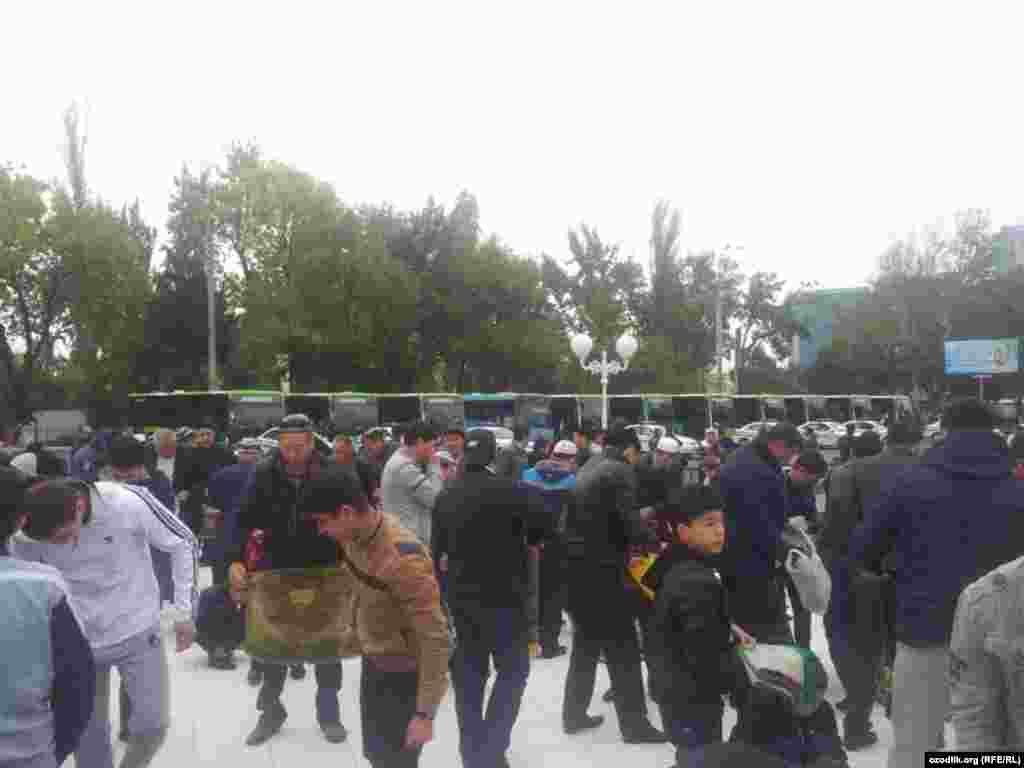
(265, 729)
(644, 733)
(860, 738)
(553, 652)
(298, 671)
(584, 724)
(255, 676)
(335, 733)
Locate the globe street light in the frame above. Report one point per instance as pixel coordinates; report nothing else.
(626, 346)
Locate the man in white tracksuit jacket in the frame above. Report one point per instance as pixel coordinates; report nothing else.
(98, 535)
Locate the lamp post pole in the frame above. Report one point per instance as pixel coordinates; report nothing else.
(626, 346)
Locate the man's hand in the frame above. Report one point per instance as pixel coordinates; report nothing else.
(184, 634)
(419, 732)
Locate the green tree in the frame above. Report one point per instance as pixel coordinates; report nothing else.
(761, 322)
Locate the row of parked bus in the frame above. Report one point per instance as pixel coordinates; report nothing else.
(250, 412)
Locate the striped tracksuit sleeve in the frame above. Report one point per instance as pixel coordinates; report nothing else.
(169, 534)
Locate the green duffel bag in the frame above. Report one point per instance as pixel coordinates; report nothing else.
(300, 615)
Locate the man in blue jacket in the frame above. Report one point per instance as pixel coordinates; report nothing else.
(49, 681)
(555, 478)
(753, 490)
(943, 524)
(88, 460)
(225, 492)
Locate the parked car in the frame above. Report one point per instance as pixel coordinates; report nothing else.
(747, 433)
(649, 435)
(502, 435)
(826, 432)
(269, 442)
(933, 431)
(860, 426)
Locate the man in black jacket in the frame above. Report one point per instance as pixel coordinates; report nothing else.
(855, 622)
(603, 525)
(270, 505)
(192, 472)
(484, 522)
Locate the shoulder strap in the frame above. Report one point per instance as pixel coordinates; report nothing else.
(371, 581)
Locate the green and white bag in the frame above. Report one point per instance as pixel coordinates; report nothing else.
(789, 672)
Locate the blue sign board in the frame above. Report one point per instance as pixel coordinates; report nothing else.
(982, 357)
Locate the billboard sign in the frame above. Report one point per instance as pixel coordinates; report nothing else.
(981, 357)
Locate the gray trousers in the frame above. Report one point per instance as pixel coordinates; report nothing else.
(45, 760)
(920, 702)
(142, 664)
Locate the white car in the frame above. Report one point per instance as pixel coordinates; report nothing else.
(747, 433)
(826, 432)
(649, 435)
(502, 435)
(934, 431)
(269, 442)
(860, 426)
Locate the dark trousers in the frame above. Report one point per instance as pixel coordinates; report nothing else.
(328, 682)
(220, 571)
(691, 725)
(603, 621)
(552, 594)
(387, 702)
(854, 626)
(487, 632)
(801, 616)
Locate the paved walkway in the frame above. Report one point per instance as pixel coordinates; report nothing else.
(214, 710)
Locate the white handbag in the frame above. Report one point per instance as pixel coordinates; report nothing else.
(805, 567)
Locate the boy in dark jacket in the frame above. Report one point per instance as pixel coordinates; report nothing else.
(690, 634)
(220, 622)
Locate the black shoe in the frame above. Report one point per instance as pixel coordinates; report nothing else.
(335, 733)
(860, 738)
(553, 651)
(584, 724)
(265, 729)
(298, 671)
(255, 676)
(609, 696)
(644, 733)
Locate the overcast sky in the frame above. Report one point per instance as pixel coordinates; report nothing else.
(809, 133)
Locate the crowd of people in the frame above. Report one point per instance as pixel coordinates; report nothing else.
(467, 558)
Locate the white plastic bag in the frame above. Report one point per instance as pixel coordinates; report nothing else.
(808, 572)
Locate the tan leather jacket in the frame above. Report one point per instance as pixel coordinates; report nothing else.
(397, 617)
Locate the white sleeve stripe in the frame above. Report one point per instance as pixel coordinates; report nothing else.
(170, 522)
(178, 528)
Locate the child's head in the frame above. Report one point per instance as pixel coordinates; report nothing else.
(698, 521)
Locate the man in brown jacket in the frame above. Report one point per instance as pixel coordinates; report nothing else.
(398, 625)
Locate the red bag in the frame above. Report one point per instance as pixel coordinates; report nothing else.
(255, 551)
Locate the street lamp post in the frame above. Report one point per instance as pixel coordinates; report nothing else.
(626, 346)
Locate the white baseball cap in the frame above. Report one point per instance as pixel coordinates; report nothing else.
(564, 448)
(669, 444)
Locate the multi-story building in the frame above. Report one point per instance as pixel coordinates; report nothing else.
(1008, 249)
(817, 312)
